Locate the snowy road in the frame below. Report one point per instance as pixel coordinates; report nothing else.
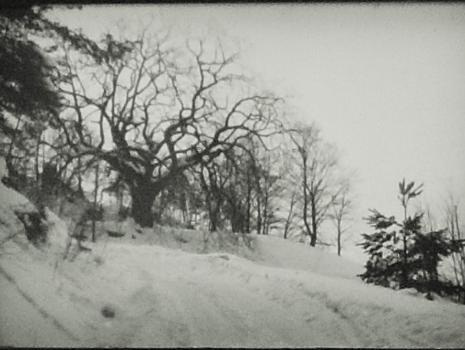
(231, 309)
(171, 298)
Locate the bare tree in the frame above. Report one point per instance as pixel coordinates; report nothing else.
(212, 183)
(290, 216)
(317, 163)
(340, 211)
(152, 111)
(224, 187)
(456, 233)
(240, 186)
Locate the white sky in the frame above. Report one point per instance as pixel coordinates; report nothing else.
(386, 83)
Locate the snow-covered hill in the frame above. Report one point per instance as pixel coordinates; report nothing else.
(284, 294)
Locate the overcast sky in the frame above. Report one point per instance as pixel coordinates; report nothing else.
(386, 83)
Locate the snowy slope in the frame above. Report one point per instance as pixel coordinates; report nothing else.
(274, 251)
(165, 297)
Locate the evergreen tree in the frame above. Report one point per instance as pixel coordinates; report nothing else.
(427, 252)
(384, 264)
(29, 100)
(401, 255)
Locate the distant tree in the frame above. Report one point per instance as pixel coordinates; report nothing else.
(224, 184)
(317, 163)
(258, 187)
(118, 188)
(179, 201)
(235, 191)
(340, 211)
(241, 187)
(290, 215)
(290, 197)
(212, 181)
(455, 232)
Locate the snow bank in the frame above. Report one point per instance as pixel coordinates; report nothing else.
(267, 250)
(275, 251)
(178, 238)
(12, 203)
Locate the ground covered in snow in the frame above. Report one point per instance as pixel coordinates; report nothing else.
(169, 287)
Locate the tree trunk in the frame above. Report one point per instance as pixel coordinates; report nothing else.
(404, 280)
(265, 213)
(213, 213)
(305, 195)
(12, 143)
(143, 196)
(404, 277)
(97, 168)
(314, 224)
(259, 214)
(213, 226)
(37, 157)
(249, 199)
(186, 210)
(79, 175)
(289, 216)
(119, 196)
(237, 219)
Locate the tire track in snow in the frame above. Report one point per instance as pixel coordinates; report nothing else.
(320, 316)
(342, 322)
(369, 333)
(195, 311)
(320, 310)
(265, 287)
(46, 315)
(223, 301)
(354, 332)
(202, 314)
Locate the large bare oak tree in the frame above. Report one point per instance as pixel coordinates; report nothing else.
(151, 110)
